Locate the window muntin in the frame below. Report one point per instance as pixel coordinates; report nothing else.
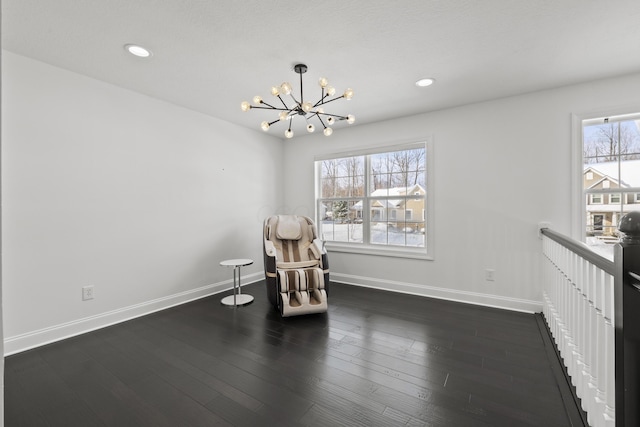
(383, 190)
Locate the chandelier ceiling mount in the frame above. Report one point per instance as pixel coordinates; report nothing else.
(300, 107)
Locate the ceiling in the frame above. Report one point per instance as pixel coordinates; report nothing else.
(210, 55)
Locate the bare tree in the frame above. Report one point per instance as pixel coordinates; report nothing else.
(399, 169)
(354, 174)
(329, 177)
(612, 140)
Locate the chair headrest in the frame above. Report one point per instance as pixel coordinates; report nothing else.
(288, 228)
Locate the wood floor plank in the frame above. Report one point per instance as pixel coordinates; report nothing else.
(375, 358)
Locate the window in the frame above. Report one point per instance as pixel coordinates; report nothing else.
(609, 170)
(366, 201)
(596, 199)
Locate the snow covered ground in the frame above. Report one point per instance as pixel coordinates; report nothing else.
(380, 234)
(599, 247)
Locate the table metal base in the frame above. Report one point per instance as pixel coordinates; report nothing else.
(242, 299)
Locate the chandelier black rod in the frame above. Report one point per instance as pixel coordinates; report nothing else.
(299, 104)
(334, 115)
(270, 107)
(322, 101)
(300, 71)
(283, 103)
(321, 121)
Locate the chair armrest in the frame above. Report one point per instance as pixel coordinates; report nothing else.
(269, 248)
(319, 245)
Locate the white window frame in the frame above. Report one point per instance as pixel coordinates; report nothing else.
(618, 195)
(593, 201)
(578, 211)
(427, 252)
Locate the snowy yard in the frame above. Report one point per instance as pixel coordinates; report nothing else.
(600, 247)
(381, 234)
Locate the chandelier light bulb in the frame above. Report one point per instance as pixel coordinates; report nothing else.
(264, 126)
(283, 115)
(331, 90)
(330, 120)
(275, 90)
(327, 131)
(323, 82)
(350, 119)
(348, 94)
(310, 128)
(289, 133)
(245, 106)
(320, 110)
(285, 88)
(306, 107)
(257, 100)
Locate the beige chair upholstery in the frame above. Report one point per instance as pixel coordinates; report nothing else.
(296, 266)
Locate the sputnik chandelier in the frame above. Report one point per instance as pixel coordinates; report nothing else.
(300, 107)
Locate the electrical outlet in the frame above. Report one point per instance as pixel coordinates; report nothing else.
(87, 293)
(490, 275)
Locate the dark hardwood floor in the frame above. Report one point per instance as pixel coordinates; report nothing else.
(375, 359)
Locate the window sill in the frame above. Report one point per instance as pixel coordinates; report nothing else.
(387, 251)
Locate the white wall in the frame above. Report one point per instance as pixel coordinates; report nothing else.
(500, 168)
(139, 198)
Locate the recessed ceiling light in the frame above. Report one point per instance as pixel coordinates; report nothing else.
(425, 82)
(136, 50)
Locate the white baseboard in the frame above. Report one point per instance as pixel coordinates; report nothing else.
(496, 301)
(26, 341)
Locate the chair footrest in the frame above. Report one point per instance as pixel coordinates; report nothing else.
(302, 291)
(298, 303)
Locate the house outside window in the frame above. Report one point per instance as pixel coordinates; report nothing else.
(366, 201)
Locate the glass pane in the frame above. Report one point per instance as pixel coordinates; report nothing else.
(606, 142)
(328, 187)
(391, 225)
(342, 221)
(398, 171)
(342, 177)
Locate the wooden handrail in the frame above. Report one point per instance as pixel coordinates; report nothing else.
(581, 249)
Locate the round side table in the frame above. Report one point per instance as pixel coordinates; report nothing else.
(239, 298)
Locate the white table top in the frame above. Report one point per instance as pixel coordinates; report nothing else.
(238, 262)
